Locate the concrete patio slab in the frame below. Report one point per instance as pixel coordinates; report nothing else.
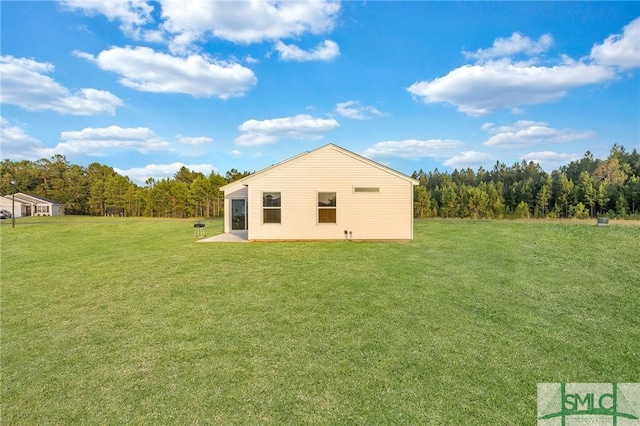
(240, 237)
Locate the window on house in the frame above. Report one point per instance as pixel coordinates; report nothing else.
(271, 207)
(366, 189)
(42, 209)
(327, 207)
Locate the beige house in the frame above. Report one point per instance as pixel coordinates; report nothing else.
(326, 194)
(31, 205)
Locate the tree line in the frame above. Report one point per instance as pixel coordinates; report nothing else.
(98, 190)
(584, 188)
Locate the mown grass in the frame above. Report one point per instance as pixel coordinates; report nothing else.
(128, 321)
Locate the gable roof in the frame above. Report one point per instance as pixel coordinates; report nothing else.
(7, 198)
(247, 179)
(34, 199)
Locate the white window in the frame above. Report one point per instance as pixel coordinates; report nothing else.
(271, 207)
(327, 206)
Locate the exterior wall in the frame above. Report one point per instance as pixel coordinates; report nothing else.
(384, 215)
(5, 204)
(232, 191)
(47, 209)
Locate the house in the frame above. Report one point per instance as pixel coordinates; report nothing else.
(326, 194)
(31, 205)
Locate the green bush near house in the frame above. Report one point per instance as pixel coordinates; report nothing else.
(129, 321)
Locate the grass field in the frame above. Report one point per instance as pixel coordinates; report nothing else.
(129, 321)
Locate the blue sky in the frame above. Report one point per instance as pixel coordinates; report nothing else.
(147, 87)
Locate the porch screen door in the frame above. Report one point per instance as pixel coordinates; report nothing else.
(238, 215)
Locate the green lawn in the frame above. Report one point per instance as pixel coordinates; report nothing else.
(129, 321)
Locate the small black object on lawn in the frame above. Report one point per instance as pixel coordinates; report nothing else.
(603, 221)
(198, 230)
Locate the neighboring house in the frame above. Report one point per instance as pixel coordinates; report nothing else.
(326, 194)
(32, 205)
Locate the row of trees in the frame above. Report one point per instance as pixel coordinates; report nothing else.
(98, 190)
(584, 188)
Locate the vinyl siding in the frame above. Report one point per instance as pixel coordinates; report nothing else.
(385, 215)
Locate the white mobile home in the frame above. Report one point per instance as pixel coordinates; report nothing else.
(326, 194)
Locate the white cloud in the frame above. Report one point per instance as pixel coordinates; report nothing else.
(132, 14)
(239, 154)
(301, 126)
(526, 133)
(485, 88)
(195, 146)
(197, 141)
(159, 171)
(468, 159)
(245, 21)
(325, 51)
(182, 23)
(25, 84)
(550, 160)
(101, 141)
(620, 50)
(516, 44)
(411, 149)
(353, 109)
(16, 144)
(496, 81)
(255, 139)
(144, 69)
